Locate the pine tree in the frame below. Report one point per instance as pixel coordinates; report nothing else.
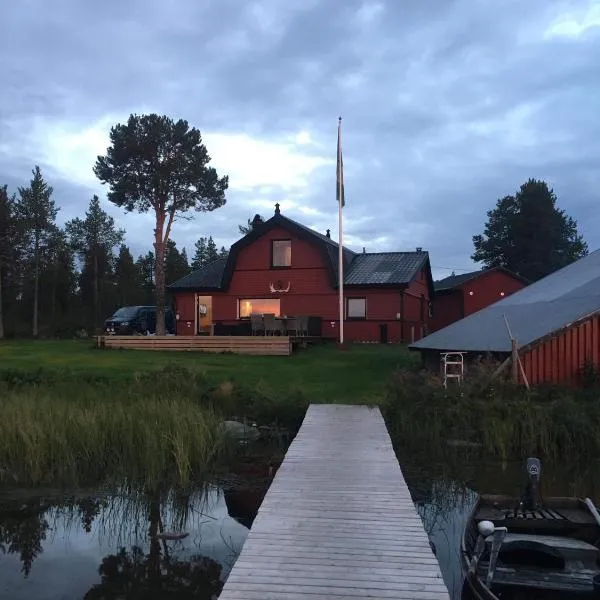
(36, 213)
(211, 250)
(8, 242)
(199, 259)
(94, 239)
(176, 264)
(128, 278)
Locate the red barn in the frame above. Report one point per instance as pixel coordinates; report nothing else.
(284, 268)
(459, 296)
(555, 322)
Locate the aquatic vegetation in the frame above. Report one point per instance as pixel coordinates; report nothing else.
(493, 417)
(95, 436)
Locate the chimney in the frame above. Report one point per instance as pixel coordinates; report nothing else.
(277, 211)
(364, 250)
(328, 233)
(419, 249)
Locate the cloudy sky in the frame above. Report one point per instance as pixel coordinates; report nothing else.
(447, 105)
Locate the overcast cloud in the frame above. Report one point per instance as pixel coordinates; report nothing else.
(447, 105)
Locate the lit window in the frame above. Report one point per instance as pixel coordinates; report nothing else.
(282, 253)
(260, 306)
(356, 308)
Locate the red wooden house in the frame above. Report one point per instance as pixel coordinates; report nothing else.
(459, 296)
(285, 268)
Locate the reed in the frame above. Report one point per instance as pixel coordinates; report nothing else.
(89, 436)
(492, 416)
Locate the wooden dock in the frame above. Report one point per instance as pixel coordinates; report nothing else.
(338, 520)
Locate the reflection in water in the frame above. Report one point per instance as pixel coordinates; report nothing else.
(132, 545)
(126, 546)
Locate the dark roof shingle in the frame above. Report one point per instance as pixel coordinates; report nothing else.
(384, 268)
(208, 277)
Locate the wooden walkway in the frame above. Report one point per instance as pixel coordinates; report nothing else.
(338, 520)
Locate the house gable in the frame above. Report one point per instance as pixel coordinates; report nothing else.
(278, 227)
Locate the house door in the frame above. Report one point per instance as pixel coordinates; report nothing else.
(204, 317)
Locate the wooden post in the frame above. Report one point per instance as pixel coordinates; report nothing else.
(515, 361)
(412, 334)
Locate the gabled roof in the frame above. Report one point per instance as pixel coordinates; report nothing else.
(535, 312)
(207, 278)
(367, 269)
(453, 281)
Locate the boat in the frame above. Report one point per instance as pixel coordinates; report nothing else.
(532, 547)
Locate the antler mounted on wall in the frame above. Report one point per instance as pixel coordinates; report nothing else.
(278, 288)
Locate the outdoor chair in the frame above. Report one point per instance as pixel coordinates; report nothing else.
(291, 326)
(270, 324)
(258, 326)
(302, 327)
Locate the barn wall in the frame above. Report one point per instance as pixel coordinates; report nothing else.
(560, 358)
(487, 289)
(447, 308)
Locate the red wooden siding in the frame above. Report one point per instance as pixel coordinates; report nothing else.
(560, 358)
(312, 293)
(473, 295)
(487, 289)
(447, 308)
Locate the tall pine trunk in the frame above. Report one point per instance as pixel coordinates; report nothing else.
(96, 289)
(159, 270)
(1, 305)
(36, 286)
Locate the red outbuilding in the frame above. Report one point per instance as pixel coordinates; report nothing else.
(286, 269)
(459, 296)
(555, 322)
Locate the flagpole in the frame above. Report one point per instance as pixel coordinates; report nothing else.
(340, 190)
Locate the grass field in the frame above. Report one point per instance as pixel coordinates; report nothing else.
(322, 373)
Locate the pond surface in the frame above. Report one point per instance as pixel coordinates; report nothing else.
(100, 546)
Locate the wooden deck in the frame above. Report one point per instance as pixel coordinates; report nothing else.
(236, 344)
(338, 520)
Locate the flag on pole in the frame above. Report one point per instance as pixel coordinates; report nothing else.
(340, 167)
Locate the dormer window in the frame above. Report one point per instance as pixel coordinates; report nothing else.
(281, 253)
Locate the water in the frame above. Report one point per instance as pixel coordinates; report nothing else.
(101, 546)
(446, 492)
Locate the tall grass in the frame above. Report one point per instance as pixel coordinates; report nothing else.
(156, 428)
(148, 439)
(493, 416)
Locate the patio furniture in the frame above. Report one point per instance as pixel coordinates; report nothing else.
(279, 327)
(269, 321)
(291, 325)
(257, 323)
(302, 328)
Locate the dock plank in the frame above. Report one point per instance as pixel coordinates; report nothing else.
(338, 520)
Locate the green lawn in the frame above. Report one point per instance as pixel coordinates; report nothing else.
(323, 373)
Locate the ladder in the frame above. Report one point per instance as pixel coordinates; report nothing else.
(453, 367)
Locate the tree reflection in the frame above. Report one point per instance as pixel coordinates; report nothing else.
(134, 575)
(22, 533)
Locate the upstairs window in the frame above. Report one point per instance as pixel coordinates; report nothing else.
(281, 253)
